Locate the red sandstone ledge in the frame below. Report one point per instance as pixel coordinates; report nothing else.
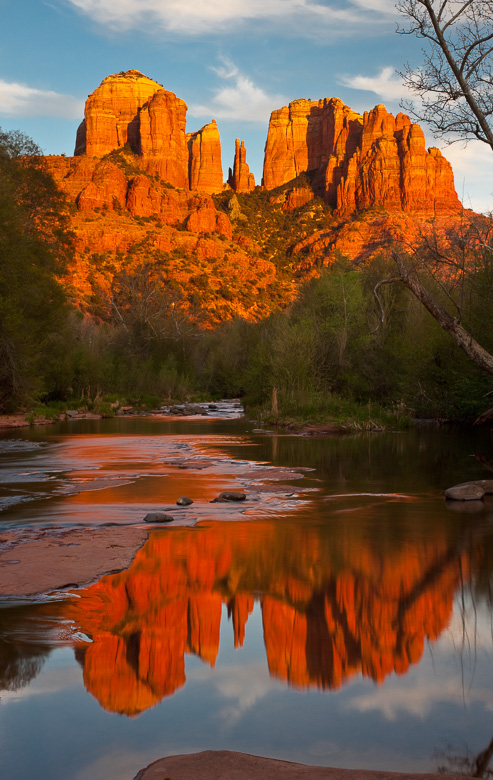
(228, 765)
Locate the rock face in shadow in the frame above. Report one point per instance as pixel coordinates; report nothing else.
(358, 161)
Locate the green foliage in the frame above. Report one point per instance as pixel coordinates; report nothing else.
(323, 357)
(273, 230)
(34, 246)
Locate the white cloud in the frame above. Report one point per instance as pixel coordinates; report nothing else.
(238, 99)
(386, 84)
(473, 173)
(19, 100)
(381, 6)
(192, 17)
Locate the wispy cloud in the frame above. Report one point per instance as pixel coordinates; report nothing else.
(238, 98)
(386, 84)
(192, 17)
(20, 100)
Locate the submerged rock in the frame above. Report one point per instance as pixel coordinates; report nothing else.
(469, 491)
(158, 517)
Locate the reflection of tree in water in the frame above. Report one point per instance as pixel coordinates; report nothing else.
(19, 664)
(480, 589)
(466, 763)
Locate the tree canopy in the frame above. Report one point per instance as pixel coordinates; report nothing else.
(34, 247)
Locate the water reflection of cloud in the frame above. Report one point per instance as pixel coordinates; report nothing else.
(117, 763)
(242, 685)
(50, 681)
(417, 694)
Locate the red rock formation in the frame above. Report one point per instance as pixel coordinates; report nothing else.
(129, 108)
(204, 159)
(359, 162)
(203, 215)
(240, 179)
(112, 114)
(163, 144)
(107, 189)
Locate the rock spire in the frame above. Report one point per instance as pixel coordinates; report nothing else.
(240, 179)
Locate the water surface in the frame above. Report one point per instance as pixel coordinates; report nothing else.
(346, 622)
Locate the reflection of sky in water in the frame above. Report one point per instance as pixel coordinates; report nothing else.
(238, 706)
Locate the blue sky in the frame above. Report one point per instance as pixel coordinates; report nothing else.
(232, 60)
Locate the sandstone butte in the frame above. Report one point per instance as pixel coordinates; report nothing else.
(374, 619)
(138, 179)
(358, 161)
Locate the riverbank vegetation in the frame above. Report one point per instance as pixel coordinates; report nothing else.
(326, 357)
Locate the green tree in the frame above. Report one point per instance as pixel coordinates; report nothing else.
(34, 247)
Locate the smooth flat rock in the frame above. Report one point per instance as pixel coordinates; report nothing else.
(227, 765)
(50, 559)
(469, 491)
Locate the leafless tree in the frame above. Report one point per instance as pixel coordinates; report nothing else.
(455, 81)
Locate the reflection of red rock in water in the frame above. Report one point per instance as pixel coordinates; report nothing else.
(240, 607)
(329, 610)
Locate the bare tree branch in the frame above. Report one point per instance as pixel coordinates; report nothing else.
(455, 82)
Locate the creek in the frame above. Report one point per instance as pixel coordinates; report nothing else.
(341, 616)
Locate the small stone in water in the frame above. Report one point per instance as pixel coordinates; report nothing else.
(229, 496)
(158, 517)
(184, 501)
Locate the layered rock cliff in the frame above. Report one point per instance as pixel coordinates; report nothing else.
(358, 162)
(131, 109)
(112, 114)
